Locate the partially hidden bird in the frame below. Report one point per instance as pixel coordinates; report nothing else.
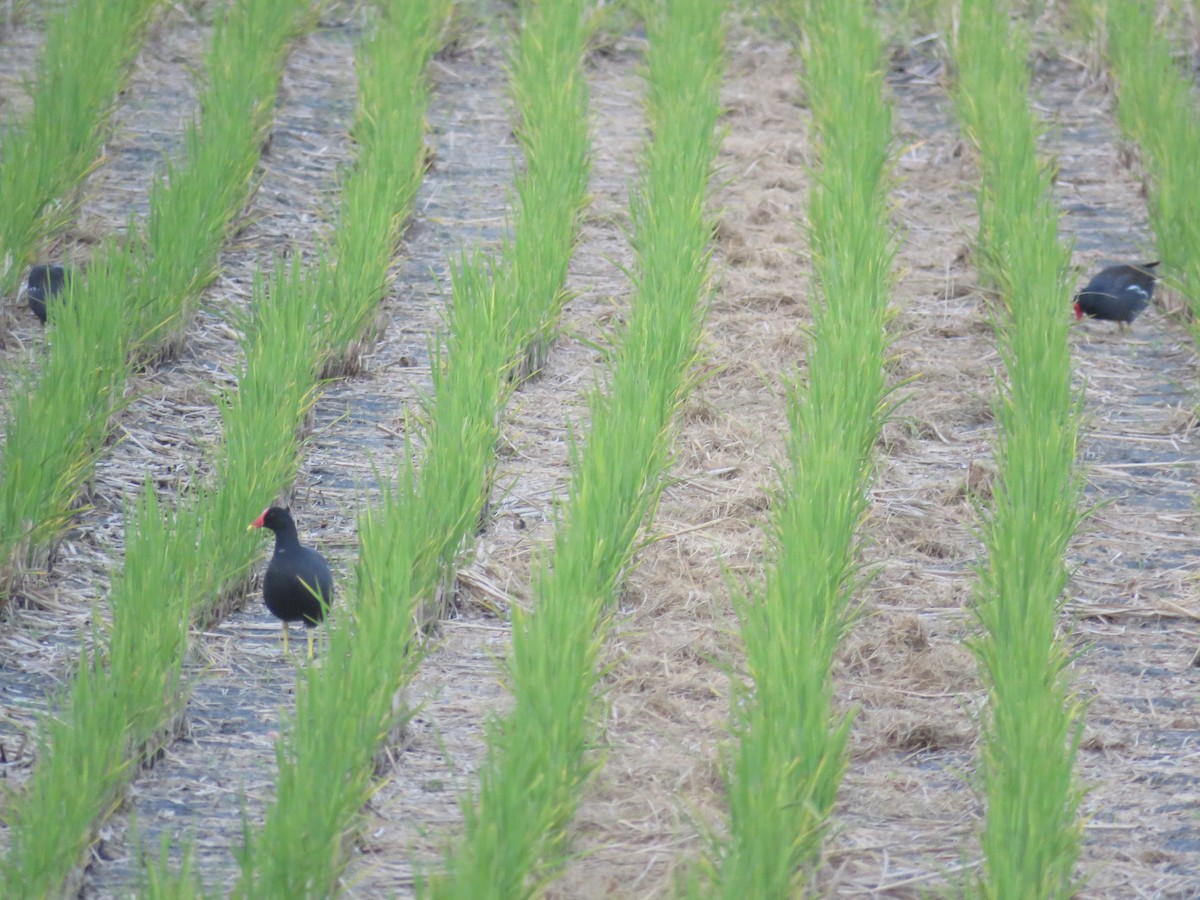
(1117, 294)
(44, 282)
(298, 585)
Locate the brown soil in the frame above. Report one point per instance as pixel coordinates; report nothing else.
(909, 809)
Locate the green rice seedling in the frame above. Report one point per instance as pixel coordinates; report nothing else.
(326, 772)
(161, 881)
(51, 822)
(470, 389)
(551, 97)
(262, 421)
(193, 206)
(1032, 833)
(58, 420)
(347, 706)
(1031, 837)
(378, 191)
(124, 692)
(1156, 107)
(89, 45)
(175, 565)
(264, 416)
(530, 785)
(790, 751)
(986, 83)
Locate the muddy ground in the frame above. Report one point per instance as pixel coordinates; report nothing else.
(909, 809)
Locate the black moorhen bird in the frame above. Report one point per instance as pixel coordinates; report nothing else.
(298, 584)
(44, 283)
(1117, 294)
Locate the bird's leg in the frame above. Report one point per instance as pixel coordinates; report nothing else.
(285, 639)
(310, 640)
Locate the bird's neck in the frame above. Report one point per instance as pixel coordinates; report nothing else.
(286, 539)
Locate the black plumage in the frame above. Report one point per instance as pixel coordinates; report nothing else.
(1117, 294)
(44, 282)
(298, 585)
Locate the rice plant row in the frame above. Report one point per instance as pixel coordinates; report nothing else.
(517, 820)
(1156, 107)
(1032, 833)
(58, 414)
(551, 96)
(346, 708)
(44, 158)
(195, 203)
(378, 191)
(125, 694)
(59, 417)
(790, 751)
(412, 539)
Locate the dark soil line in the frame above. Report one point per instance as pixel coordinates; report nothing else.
(244, 684)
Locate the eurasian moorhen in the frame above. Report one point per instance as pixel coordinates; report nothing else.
(44, 283)
(298, 584)
(1117, 294)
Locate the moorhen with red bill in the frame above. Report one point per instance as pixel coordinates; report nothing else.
(298, 585)
(1117, 294)
(44, 282)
